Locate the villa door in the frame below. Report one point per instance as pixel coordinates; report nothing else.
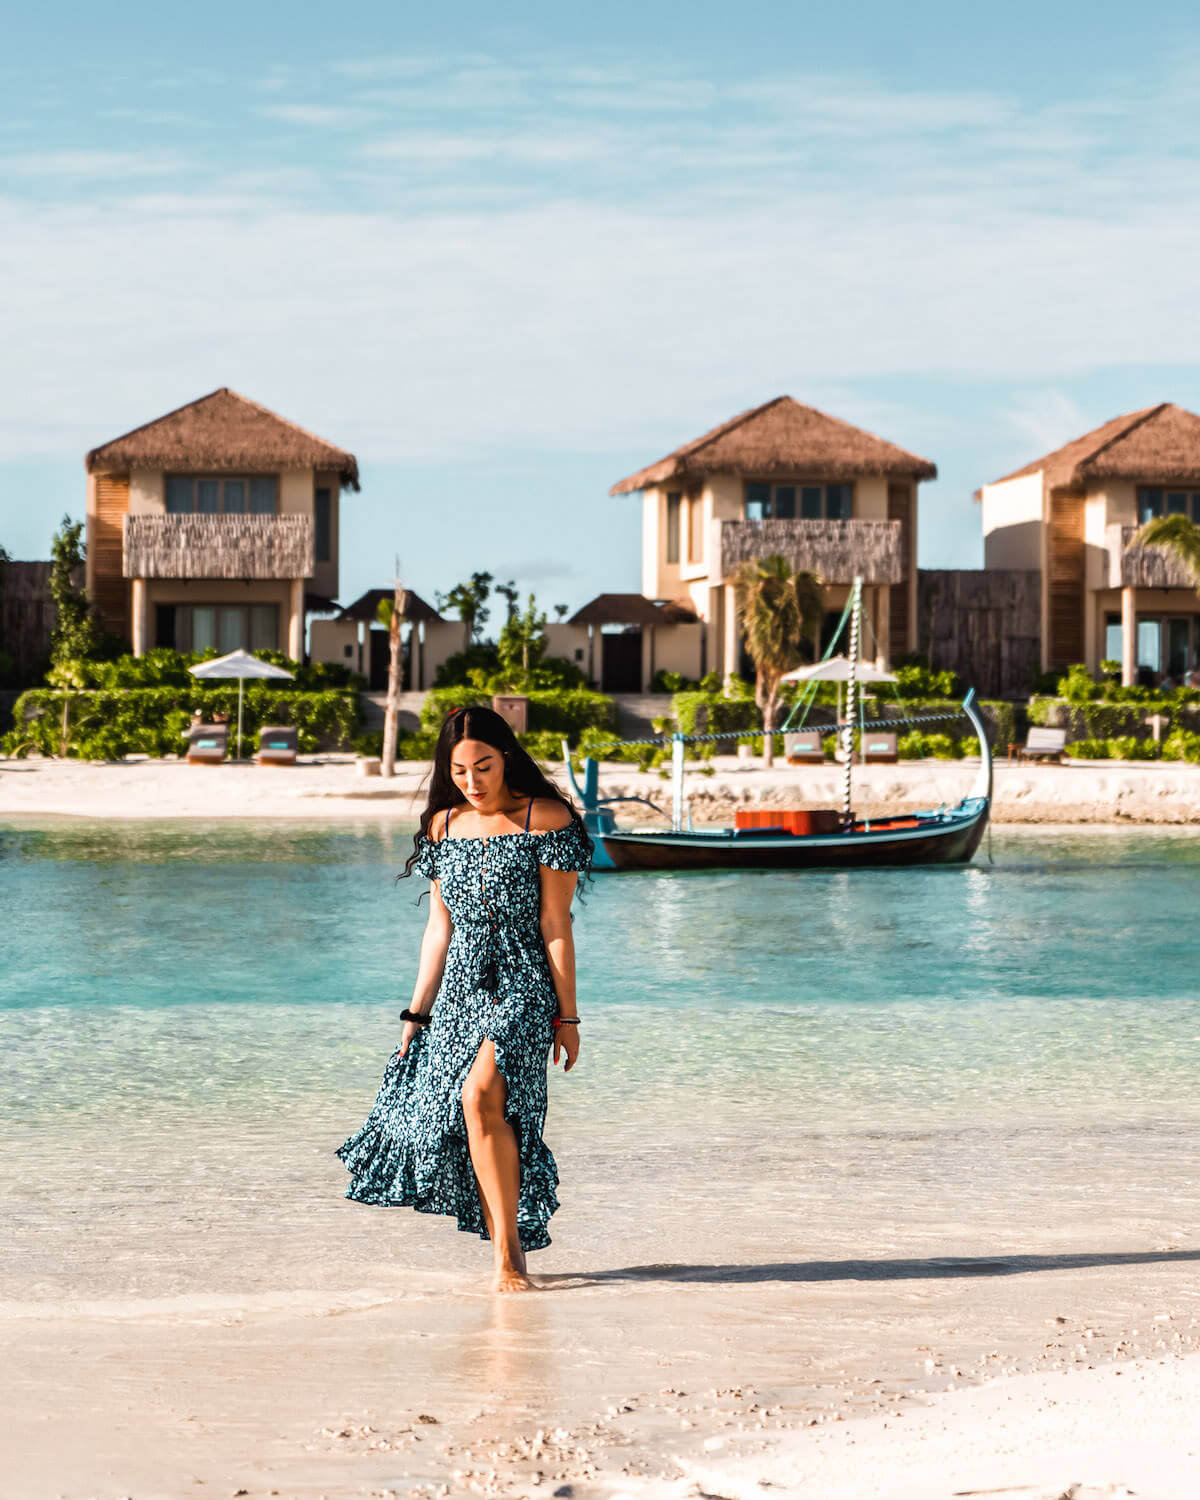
(621, 662)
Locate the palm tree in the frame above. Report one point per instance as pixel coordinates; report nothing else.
(776, 606)
(1177, 535)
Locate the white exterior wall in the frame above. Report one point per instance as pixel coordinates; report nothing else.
(335, 642)
(296, 487)
(147, 493)
(676, 649)
(442, 639)
(870, 502)
(1012, 514)
(570, 641)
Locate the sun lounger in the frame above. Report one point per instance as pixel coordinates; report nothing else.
(207, 744)
(879, 750)
(1041, 744)
(803, 747)
(278, 744)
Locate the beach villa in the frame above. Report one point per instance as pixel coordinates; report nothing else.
(782, 478)
(215, 526)
(1073, 514)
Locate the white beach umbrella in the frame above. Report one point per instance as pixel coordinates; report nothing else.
(837, 669)
(239, 664)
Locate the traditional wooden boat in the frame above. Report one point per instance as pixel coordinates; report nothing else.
(834, 839)
(946, 835)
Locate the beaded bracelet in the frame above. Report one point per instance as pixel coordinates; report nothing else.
(422, 1019)
(565, 1021)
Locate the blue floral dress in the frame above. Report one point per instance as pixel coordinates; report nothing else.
(412, 1148)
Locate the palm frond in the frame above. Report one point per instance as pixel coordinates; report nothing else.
(1175, 534)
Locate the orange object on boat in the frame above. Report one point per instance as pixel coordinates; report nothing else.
(796, 820)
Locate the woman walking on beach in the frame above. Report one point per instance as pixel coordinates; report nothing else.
(457, 1124)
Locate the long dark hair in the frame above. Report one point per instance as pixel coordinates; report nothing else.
(522, 774)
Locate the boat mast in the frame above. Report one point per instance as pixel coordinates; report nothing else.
(851, 693)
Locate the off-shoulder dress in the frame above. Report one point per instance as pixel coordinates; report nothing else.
(412, 1148)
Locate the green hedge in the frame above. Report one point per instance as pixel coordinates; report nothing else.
(1182, 745)
(710, 713)
(162, 667)
(1107, 720)
(565, 712)
(106, 724)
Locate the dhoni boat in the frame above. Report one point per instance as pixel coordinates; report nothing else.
(825, 838)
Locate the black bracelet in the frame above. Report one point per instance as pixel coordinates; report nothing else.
(415, 1015)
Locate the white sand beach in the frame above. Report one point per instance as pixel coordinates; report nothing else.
(330, 786)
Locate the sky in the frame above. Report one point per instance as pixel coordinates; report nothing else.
(509, 255)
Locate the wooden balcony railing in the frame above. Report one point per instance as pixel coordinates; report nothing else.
(839, 551)
(1131, 566)
(193, 546)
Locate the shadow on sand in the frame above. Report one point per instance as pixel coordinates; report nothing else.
(932, 1269)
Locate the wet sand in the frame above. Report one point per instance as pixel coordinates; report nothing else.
(237, 1326)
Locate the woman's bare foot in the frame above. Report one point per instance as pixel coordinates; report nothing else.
(508, 1279)
(510, 1274)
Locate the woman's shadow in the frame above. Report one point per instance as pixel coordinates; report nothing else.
(932, 1268)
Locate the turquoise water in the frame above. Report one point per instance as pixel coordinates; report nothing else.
(193, 1017)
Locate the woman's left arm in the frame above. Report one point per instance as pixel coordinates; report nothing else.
(558, 887)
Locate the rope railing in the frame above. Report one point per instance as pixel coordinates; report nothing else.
(738, 734)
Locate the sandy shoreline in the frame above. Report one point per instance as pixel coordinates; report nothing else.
(321, 788)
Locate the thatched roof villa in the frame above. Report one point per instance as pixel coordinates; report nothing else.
(215, 525)
(1072, 515)
(782, 477)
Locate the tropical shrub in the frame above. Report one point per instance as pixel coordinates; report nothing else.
(108, 723)
(561, 711)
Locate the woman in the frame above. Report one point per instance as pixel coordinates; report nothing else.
(457, 1125)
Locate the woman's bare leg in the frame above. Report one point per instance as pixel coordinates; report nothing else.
(496, 1161)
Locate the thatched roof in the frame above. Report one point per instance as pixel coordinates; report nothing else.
(1158, 445)
(787, 440)
(222, 432)
(414, 608)
(632, 609)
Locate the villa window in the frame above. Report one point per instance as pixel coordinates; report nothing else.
(323, 525)
(808, 502)
(674, 506)
(1156, 502)
(226, 627)
(205, 495)
(695, 529)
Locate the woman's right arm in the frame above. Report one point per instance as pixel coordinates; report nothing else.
(434, 944)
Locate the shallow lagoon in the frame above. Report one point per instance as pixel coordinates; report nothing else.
(194, 1016)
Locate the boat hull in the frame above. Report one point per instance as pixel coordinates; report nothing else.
(950, 838)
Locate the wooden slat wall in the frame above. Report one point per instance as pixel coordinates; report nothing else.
(110, 591)
(1064, 578)
(900, 503)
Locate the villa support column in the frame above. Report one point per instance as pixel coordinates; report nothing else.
(729, 663)
(418, 647)
(295, 647)
(139, 617)
(883, 626)
(1128, 636)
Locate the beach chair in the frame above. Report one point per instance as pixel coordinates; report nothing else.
(1042, 744)
(803, 747)
(879, 750)
(207, 744)
(278, 744)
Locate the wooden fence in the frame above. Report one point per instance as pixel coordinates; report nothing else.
(984, 624)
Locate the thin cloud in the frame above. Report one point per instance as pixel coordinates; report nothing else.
(335, 116)
(91, 164)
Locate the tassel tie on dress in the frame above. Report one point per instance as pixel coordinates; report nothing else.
(493, 953)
